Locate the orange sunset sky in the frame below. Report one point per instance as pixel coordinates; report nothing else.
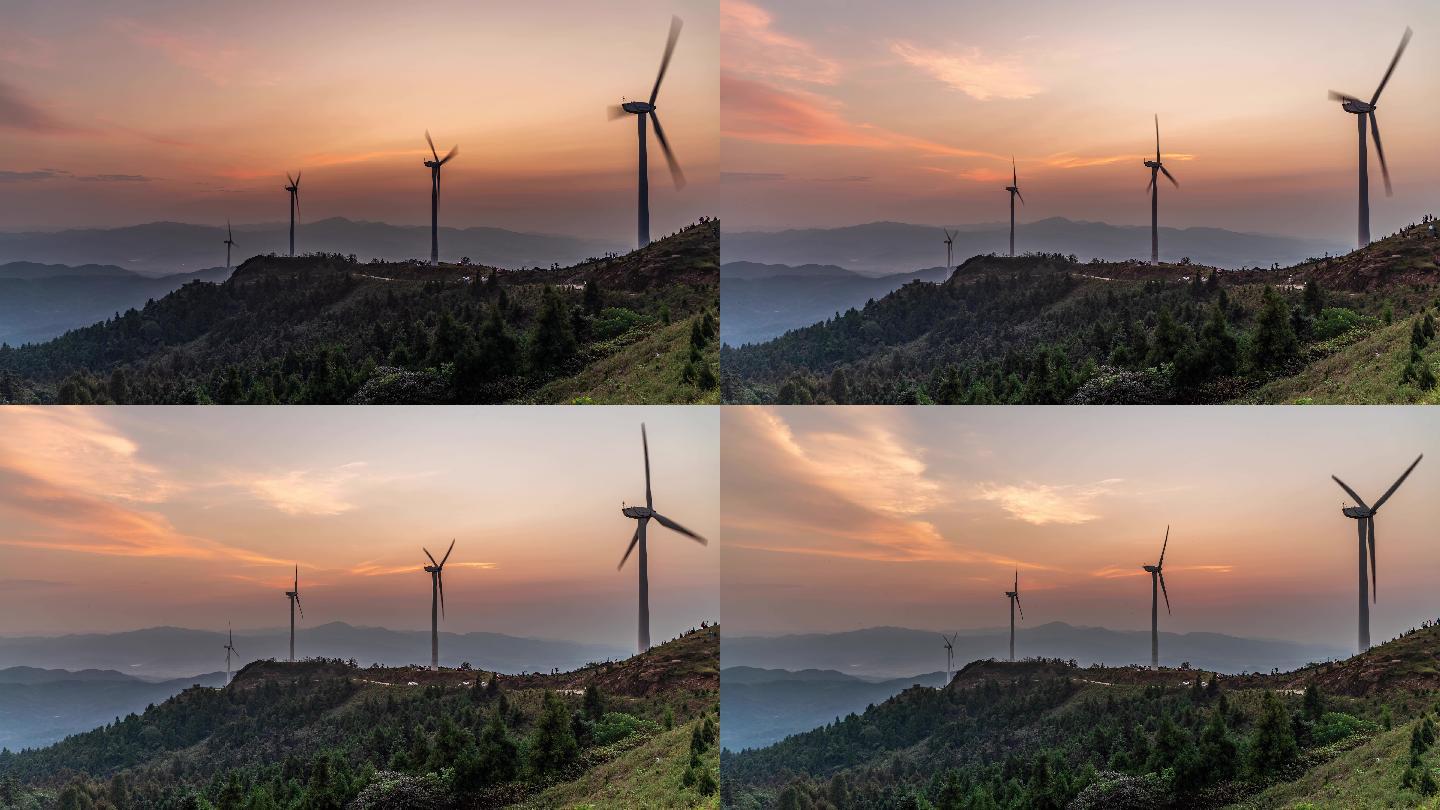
(842, 113)
(122, 518)
(115, 114)
(851, 517)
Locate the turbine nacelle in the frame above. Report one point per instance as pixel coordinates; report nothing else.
(1153, 569)
(637, 512)
(1356, 512)
(1153, 164)
(1356, 106)
(637, 107)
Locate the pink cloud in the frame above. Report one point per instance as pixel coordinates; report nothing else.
(971, 72)
(753, 47)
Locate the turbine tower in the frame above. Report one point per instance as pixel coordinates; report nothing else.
(229, 650)
(1014, 603)
(1363, 110)
(1014, 189)
(229, 243)
(643, 514)
(1157, 167)
(949, 655)
(949, 249)
(434, 166)
(646, 109)
(1157, 586)
(294, 597)
(1364, 517)
(294, 189)
(437, 599)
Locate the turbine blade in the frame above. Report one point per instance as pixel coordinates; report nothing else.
(1370, 530)
(1017, 580)
(633, 541)
(1336, 95)
(431, 141)
(454, 150)
(289, 179)
(300, 606)
(676, 174)
(440, 582)
(1163, 546)
(1404, 40)
(1167, 173)
(1167, 593)
(1020, 606)
(297, 579)
(297, 179)
(1346, 487)
(431, 556)
(1380, 153)
(675, 25)
(614, 111)
(447, 554)
(1021, 196)
(1157, 137)
(645, 443)
(1150, 185)
(1398, 482)
(1014, 173)
(673, 526)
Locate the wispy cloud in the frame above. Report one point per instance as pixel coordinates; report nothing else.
(756, 111)
(374, 569)
(19, 112)
(1041, 504)
(971, 71)
(113, 178)
(1069, 161)
(203, 53)
(750, 177)
(30, 176)
(310, 492)
(1123, 571)
(754, 48)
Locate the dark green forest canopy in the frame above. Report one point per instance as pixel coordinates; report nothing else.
(328, 734)
(1049, 734)
(1043, 329)
(328, 329)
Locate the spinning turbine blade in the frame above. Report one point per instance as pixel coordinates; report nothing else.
(675, 174)
(1358, 499)
(1163, 546)
(633, 542)
(1021, 196)
(447, 554)
(1380, 152)
(431, 141)
(645, 443)
(672, 525)
(440, 581)
(1018, 605)
(431, 556)
(1166, 172)
(1404, 40)
(454, 150)
(300, 606)
(1167, 593)
(1336, 95)
(675, 25)
(1398, 482)
(1151, 184)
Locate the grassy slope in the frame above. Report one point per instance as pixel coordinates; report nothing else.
(648, 775)
(645, 370)
(1367, 775)
(1364, 372)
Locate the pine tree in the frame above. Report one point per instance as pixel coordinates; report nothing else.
(553, 745)
(1275, 343)
(1272, 745)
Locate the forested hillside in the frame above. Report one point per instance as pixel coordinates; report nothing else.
(1049, 734)
(325, 328)
(1048, 329)
(327, 734)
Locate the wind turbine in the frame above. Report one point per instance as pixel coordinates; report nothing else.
(294, 189)
(294, 597)
(949, 249)
(229, 243)
(437, 598)
(643, 514)
(1157, 579)
(1014, 603)
(1014, 189)
(1364, 517)
(642, 110)
(1363, 110)
(949, 655)
(1157, 167)
(229, 650)
(434, 166)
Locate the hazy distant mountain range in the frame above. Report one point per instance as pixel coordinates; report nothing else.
(162, 248)
(41, 706)
(880, 248)
(174, 652)
(762, 706)
(42, 301)
(763, 301)
(892, 652)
